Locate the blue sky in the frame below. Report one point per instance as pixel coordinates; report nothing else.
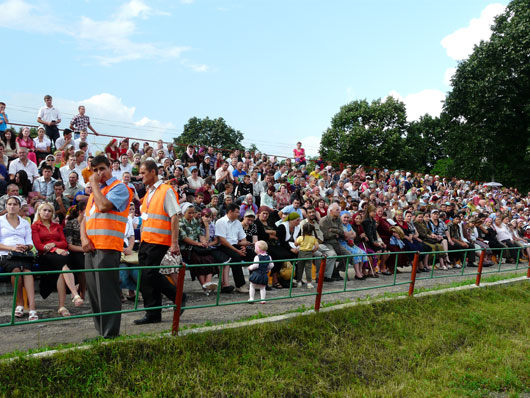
(276, 70)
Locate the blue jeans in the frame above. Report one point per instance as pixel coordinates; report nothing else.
(128, 277)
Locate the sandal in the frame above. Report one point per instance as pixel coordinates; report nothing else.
(19, 311)
(33, 316)
(63, 312)
(77, 300)
(277, 285)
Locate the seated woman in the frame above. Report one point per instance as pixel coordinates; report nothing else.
(212, 241)
(251, 231)
(428, 238)
(25, 141)
(374, 242)
(423, 266)
(15, 236)
(283, 198)
(386, 233)
(409, 236)
(518, 234)
(24, 186)
(73, 237)
(194, 250)
(456, 242)
(287, 233)
(267, 198)
(358, 254)
(321, 209)
(361, 240)
(504, 236)
(267, 232)
(53, 256)
(42, 144)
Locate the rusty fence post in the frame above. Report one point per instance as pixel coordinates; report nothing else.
(413, 273)
(318, 297)
(480, 265)
(178, 300)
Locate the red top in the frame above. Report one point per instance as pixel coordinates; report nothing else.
(112, 153)
(42, 236)
(323, 211)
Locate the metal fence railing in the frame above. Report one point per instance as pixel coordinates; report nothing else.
(291, 294)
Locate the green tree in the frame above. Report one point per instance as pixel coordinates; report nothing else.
(367, 133)
(425, 143)
(489, 105)
(211, 132)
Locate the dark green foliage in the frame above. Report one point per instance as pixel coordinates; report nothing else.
(489, 106)
(367, 133)
(210, 132)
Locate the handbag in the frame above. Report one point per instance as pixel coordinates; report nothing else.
(170, 259)
(27, 256)
(286, 271)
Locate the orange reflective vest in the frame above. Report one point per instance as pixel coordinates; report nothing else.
(157, 227)
(106, 230)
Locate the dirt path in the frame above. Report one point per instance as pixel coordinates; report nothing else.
(32, 336)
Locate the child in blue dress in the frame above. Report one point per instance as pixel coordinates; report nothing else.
(259, 278)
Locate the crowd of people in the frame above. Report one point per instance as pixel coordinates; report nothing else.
(144, 204)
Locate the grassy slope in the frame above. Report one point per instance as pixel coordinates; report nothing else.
(459, 344)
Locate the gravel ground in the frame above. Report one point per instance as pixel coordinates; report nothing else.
(33, 336)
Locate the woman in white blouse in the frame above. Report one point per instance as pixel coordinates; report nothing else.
(43, 145)
(504, 235)
(15, 236)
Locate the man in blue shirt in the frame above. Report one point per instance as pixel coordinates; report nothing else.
(3, 117)
(238, 173)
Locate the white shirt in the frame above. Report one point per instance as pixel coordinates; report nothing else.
(232, 231)
(88, 149)
(42, 145)
(66, 170)
(117, 174)
(49, 114)
(30, 168)
(171, 205)
(127, 168)
(21, 235)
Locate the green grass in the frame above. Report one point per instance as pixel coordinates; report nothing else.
(462, 344)
(260, 315)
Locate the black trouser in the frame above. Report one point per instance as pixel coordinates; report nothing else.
(470, 255)
(152, 282)
(237, 270)
(52, 132)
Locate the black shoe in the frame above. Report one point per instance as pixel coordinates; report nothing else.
(472, 265)
(329, 279)
(387, 273)
(362, 278)
(148, 319)
(227, 289)
(268, 288)
(337, 277)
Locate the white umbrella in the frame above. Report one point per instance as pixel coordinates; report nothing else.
(493, 184)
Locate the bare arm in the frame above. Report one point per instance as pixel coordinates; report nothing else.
(174, 248)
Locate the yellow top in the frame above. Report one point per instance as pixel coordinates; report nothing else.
(307, 243)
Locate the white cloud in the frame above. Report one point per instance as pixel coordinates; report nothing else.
(187, 1)
(19, 15)
(114, 37)
(418, 104)
(448, 75)
(108, 41)
(459, 44)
